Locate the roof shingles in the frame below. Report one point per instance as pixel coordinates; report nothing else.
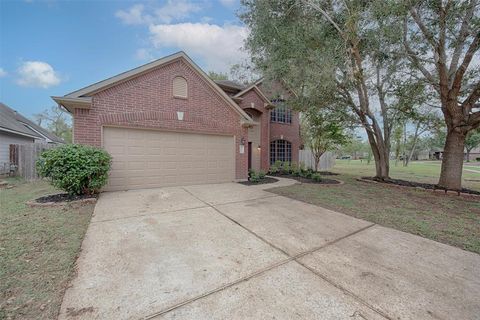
(13, 121)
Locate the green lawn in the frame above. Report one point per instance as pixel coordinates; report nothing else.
(450, 219)
(38, 247)
(421, 171)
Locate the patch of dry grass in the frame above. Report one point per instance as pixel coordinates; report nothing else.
(450, 219)
(38, 247)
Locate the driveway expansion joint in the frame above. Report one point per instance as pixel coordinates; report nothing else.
(273, 266)
(148, 214)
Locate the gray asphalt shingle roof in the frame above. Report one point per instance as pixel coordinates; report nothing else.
(229, 83)
(14, 121)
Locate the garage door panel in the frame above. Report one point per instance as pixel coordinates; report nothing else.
(148, 158)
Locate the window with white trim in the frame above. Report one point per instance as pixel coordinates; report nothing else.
(280, 150)
(180, 87)
(281, 113)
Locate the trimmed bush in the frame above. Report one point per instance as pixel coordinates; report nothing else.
(76, 169)
(316, 177)
(262, 174)
(275, 168)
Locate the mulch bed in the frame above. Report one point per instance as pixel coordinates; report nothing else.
(307, 180)
(428, 186)
(61, 199)
(328, 173)
(262, 181)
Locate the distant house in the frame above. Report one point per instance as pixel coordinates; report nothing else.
(474, 154)
(16, 129)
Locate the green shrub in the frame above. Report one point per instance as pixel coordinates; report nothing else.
(301, 166)
(316, 177)
(286, 168)
(275, 168)
(261, 174)
(253, 176)
(74, 168)
(307, 173)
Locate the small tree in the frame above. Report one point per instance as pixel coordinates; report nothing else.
(322, 131)
(472, 141)
(74, 168)
(57, 121)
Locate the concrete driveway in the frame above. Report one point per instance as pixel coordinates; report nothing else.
(229, 251)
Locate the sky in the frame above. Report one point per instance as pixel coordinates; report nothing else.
(50, 48)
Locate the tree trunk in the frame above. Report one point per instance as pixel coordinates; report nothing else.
(317, 155)
(452, 162)
(380, 154)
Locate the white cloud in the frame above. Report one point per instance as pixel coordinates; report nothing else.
(37, 74)
(172, 10)
(228, 3)
(144, 54)
(134, 15)
(176, 10)
(3, 73)
(218, 46)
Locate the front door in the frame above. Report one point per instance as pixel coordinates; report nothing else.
(249, 155)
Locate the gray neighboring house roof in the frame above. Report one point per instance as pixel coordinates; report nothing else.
(230, 84)
(13, 122)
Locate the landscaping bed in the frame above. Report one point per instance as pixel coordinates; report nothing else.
(327, 173)
(264, 180)
(60, 199)
(427, 186)
(301, 174)
(308, 180)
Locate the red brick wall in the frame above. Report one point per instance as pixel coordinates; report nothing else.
(248, 98)
(290, 132)
(147, 102)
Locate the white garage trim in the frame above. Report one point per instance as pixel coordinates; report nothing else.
(144, 158)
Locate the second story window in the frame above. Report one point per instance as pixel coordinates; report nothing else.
(281, 113)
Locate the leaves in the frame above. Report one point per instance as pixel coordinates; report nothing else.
(76, 169)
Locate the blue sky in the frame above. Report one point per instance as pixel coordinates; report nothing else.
(55, 47)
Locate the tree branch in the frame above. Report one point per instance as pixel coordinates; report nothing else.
(415, 60)
(327, 16)
(460, 40)
(457, 81)
(423, 28)
(468, 103)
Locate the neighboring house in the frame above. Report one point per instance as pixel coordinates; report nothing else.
(437, 154)
(167, 123)
(16, 129)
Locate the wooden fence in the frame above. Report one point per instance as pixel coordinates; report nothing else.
(327, 160)
(23, 158)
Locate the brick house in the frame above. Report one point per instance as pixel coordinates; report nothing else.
(167, 123)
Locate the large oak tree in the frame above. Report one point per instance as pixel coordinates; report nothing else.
(441, 39)
(333, 53)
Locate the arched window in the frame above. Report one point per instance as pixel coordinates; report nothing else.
(280, 150)
(180, 88)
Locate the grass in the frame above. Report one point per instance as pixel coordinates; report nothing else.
(451, 219)
(420, 171)
(38, 248)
